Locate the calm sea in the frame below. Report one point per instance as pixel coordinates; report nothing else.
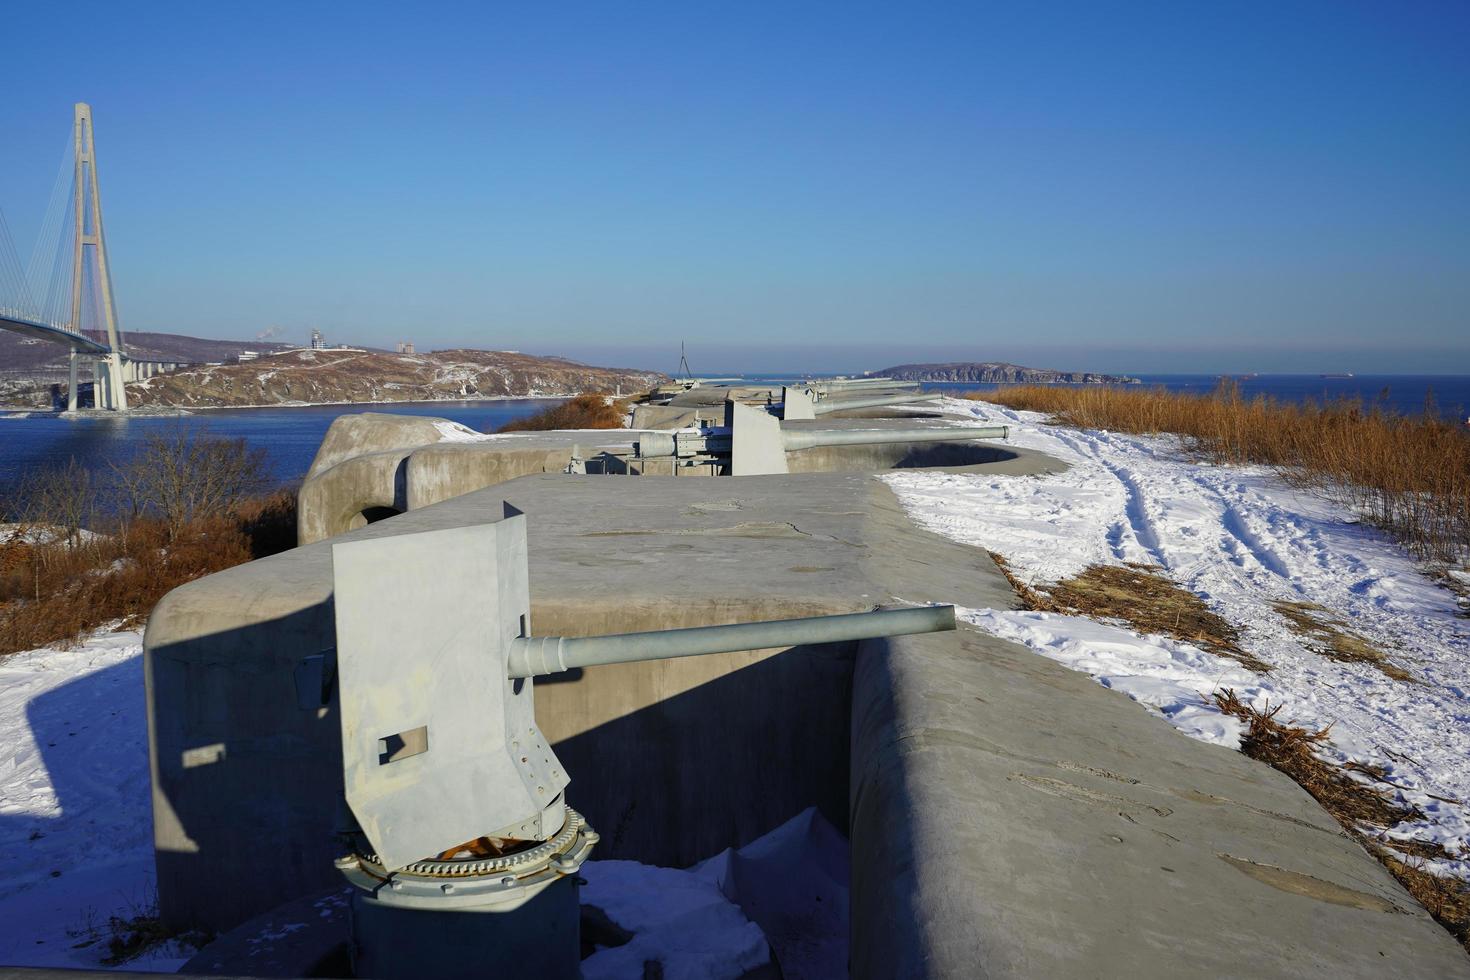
(290, 436)
(1404, 393)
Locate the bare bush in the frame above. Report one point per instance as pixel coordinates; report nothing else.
(60, 498)
(54, 594)
(185, 474)
(184, 505)
(594, 411)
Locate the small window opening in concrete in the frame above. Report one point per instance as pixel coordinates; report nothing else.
(413, 742)
(372, 515)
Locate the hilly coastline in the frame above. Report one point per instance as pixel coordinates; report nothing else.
(997, 372)
(33, 374)
(317, 377)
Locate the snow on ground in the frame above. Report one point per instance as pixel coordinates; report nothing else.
(455, 432)
(41, 534)
(75, 825)
(676, 918)
(1239, 538)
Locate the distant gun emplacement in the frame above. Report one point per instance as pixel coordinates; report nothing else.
(464, 852)
(753, 442)
(809, 401)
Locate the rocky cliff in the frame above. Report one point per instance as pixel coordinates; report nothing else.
(997, 372)
(335, 376)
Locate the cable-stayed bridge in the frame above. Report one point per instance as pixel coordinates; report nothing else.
(63, 295)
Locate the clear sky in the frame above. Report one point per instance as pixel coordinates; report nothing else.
(1166, 186)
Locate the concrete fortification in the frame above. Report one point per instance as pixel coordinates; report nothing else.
(1006, 816)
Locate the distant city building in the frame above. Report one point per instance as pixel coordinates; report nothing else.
(318, 342)
(246, 355)
(405, 347)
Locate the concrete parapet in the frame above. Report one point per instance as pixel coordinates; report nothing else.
(372, 432)
(675, 416)
(717, 395)
(1011, 818)
(375, 465)
(1007, 817)
(246, 783)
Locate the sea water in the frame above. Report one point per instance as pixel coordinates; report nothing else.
(1402, 393)
(289, 436)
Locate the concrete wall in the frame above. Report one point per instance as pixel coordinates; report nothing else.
(1012, 819)
(672, 761)
(1008, 817)
(675, 416)
(374, 465)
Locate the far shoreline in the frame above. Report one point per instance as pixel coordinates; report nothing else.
(164, 411)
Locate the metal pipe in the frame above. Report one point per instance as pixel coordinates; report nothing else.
(826, 405)
(532, 656)
(852, 384)
(794, 439)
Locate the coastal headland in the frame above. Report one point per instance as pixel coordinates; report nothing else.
(997, 372)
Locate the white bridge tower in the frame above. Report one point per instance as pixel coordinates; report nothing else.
(91, 243)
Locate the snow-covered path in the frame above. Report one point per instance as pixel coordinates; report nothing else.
(76, 833)
(1240, 539)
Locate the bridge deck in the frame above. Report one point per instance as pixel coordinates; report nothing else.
(55, 335)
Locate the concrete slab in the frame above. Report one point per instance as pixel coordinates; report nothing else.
(1011, 818)
(1008, 817)
(237, 763)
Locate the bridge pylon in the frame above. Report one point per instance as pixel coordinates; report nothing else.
(91, 242)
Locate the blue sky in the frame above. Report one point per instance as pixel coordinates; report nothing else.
(1135, 187)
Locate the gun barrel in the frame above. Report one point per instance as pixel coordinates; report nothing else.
(794, 439)
(534, 656)
(856, 384)
(825, 405)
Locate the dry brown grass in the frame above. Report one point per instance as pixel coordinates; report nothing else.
(1330, 638)
(592, 411)
(1408, 475)
(1146, 601)
(1355, 805)
(1152, 604)
(56, 593)
(1294, 752)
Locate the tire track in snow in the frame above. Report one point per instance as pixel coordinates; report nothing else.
(1234, 524)
(1138, 519)
(1238, 537)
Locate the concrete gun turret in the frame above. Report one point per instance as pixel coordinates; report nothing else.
(464, 852)
(877, 381)
(752, 442)
(803, 403)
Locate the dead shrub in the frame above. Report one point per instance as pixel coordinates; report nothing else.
(1355, 805)
(1330, 638)
(52, 594)
(1294, 752)
(1147, 602)
(183, 473)
(591, 411)
(269, 522)
(1409, 475)
(63, 497)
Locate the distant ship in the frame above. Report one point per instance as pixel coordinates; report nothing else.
(1336, 377)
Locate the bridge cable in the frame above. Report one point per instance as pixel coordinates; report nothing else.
(15, 295)
(52, 254)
